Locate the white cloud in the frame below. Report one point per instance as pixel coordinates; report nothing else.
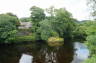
(21, 7)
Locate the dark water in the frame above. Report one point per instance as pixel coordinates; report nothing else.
(41, 53)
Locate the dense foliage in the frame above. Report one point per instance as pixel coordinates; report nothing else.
(20, 39)
(52, 25)
(91, 43)
(59, 23)
(91, 60)
(8, 26)
(90, 30)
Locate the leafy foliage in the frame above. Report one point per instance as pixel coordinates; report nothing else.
(91, 43)
(91, 60)
(8, 26)
(59, 23)
(79, 33)
(91, 40)
(37, 14)
(64, 24)
(89, 27)
(19, 39)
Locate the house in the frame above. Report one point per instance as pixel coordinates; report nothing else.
(24, 28)
(25, 25)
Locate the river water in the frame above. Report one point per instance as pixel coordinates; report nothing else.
(42, 53)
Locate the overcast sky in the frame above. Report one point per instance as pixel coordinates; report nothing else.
(78, 8)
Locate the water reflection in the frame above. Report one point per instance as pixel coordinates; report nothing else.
(81, 52)
(47, 54)
(40, 53)
(25, 58)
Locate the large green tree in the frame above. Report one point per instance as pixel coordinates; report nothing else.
(14, 19)
(47, 30)
(64, 22)
(8, 26)
(58, 23)
(37, 14)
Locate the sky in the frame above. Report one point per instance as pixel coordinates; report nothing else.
(21, 8)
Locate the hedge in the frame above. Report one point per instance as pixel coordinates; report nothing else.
(21, 39)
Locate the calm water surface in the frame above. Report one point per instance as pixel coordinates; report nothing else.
(40, 53)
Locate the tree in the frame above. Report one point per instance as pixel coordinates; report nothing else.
(64, 22)
(92, 5)
(46, 30)
(51, 11)
(84, 29)
(91, 43)
(90, 29)
(37, 14)
(14, 19)
(8, 27)
(61, 24)
(79, 33)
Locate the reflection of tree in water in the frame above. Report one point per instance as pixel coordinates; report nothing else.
(42, 53)
(9, 54)
(65, 54)
(46, 54)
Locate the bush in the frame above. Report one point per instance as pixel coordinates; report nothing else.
(21, 39)
(91, 60)
(91, 43)
(55, 41)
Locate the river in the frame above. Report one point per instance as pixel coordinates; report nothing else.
(42, 53)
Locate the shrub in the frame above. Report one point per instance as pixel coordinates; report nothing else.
(21, 39)
(91, 60)
(91, 43)
(55, 41)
